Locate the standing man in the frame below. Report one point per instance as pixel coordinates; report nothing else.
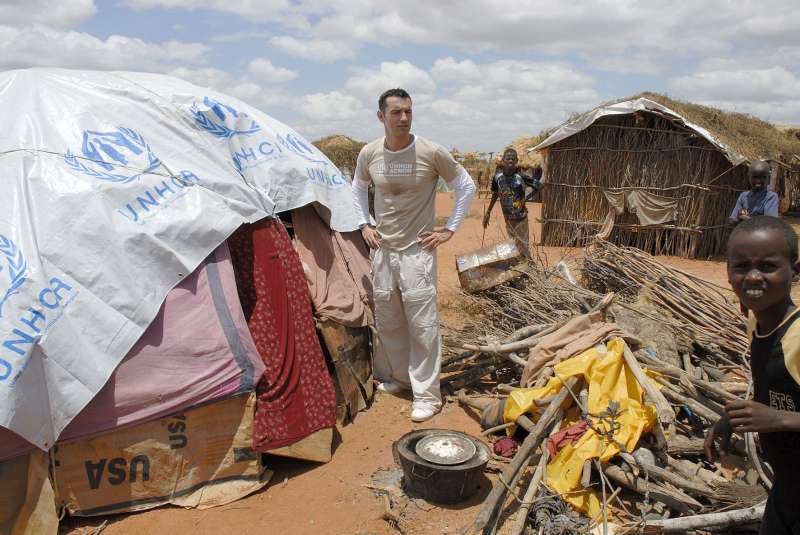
(509, 186)
(405, 169)
(758, 200)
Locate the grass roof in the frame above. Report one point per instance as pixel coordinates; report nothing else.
(341, 150)
(751, 137)
(522, 144)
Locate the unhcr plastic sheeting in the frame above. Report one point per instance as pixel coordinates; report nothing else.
(630, 106)
(116, 186)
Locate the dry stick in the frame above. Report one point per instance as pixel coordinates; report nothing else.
(674, 371)
(533, 486)
(497, 428)
(530, 330)
(673, 498)
(709, 521)
(697, 407)
(488, 515)
(752, 452)
(687, 363)
(527, 500)
(690, 469)
(501, 349)
(665, 412)
(682, 482)
(476, 404)
(602, 512)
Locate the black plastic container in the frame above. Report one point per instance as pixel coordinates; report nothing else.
(437, 483)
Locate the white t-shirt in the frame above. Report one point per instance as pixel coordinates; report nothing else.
(405, 187)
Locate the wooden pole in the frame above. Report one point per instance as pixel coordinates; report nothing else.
(716, 521)
(488, 516)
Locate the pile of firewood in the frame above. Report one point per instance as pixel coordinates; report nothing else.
(665, 484)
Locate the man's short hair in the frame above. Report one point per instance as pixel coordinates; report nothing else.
(510, 150)
(766, 222)
(396, 92)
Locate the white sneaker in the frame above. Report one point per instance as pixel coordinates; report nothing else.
(422, 412)
(391, 387)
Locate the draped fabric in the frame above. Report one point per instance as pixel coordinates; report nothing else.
(649, 208)
(295, 396)
(339, 275)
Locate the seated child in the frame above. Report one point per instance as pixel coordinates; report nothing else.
(762, 259)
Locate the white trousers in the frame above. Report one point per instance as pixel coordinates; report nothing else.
(409, 348)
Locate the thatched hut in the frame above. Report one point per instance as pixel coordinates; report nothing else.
(665, 173)
(341, 150)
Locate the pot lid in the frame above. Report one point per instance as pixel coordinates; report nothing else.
(446, 448)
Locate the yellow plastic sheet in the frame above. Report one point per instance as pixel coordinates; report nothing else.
(609, 379)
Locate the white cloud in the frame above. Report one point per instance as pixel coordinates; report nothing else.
(754, 85)
(263, 70)
(322, 50)
(236, 37)
(450, 69)
(333, 106)
(266, 98)
(43, 46)
(285, 12)
(474, 105)
(57, 14)
(322, 114)
(771, 93)
(204, 77)
(370, 83)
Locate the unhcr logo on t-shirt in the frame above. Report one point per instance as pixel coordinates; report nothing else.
(395, 169)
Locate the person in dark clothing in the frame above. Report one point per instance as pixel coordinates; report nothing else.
(758, 200)
(508, 185)
(762, 259)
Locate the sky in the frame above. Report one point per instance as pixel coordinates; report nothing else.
(481, 73)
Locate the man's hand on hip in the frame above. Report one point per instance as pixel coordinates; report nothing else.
(432, 240)
(371, 236)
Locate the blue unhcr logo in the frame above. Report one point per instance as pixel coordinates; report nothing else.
(214, 120)
(16, 269)
(108, 151)
(299, 147)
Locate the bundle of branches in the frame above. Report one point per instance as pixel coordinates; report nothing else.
(541, 297)
(698, 306)
(662, 485)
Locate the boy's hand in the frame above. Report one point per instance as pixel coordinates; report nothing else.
(432, 240)
(722, 431)
(752, 417)
(486, 220)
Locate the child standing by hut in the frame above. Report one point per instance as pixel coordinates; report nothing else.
(509, 186)
(762, 259)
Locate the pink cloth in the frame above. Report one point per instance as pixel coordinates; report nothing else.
(197, 349)
(505, 447)
(339, 269)
(570, 435)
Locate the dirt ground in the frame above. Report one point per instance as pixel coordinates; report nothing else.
(336, 498)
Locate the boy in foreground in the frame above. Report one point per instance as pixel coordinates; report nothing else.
(509, 186)
(762, 259)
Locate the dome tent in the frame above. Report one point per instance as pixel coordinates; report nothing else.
(117, 186)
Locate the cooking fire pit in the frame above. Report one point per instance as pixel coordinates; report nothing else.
(440, 465)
